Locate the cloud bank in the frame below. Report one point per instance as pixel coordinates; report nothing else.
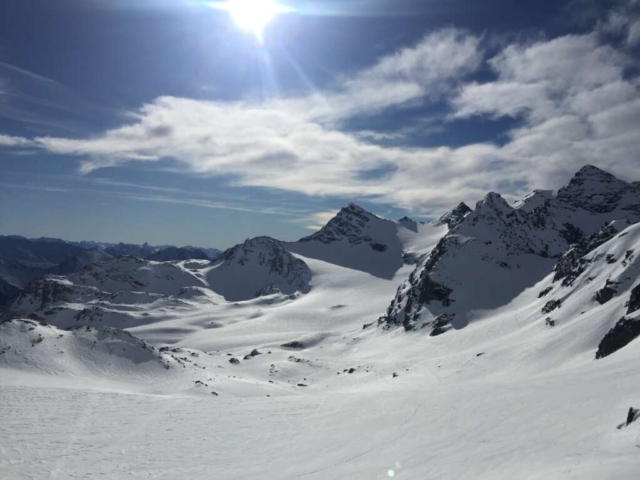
(573, 97)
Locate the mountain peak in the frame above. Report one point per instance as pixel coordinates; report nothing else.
(590, 170)
(352, 207)
(455, 216)
(349, 222)
(594, 190)
(494, 202)
(591, 174)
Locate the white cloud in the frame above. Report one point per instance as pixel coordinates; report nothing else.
(8, 141)
(571, 93)
(539, 79)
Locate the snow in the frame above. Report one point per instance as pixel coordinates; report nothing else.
(329, 393)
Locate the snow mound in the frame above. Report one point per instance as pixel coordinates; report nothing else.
(104, 352)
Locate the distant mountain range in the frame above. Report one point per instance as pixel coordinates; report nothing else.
(24, 260)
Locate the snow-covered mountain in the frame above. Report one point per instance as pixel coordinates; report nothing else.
(257, 267)
(497, 251)
(356, 239)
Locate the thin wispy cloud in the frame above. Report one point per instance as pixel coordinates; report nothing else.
(26, 73)
(40, 188)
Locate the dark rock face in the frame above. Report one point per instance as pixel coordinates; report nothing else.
(234, 361)
(632, 416)
(440, 325)
(46, 292)
(551, 305)
(431, 291)
(453, 218)
(604, 295)
(573, 264)
(422, 291)
(634, 300)
(623, 333)
(544, 292)
(572, 234)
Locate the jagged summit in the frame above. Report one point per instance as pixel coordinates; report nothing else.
(349, 223)
(355, 208)
(455, 216)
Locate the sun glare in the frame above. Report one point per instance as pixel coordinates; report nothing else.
(252, 15)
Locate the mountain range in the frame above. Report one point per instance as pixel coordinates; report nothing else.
(522, 317)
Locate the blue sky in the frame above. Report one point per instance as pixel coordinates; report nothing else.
(164, 122)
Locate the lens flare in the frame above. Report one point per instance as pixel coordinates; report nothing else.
(252, 15)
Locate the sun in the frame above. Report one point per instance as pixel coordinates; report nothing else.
(252, 15)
